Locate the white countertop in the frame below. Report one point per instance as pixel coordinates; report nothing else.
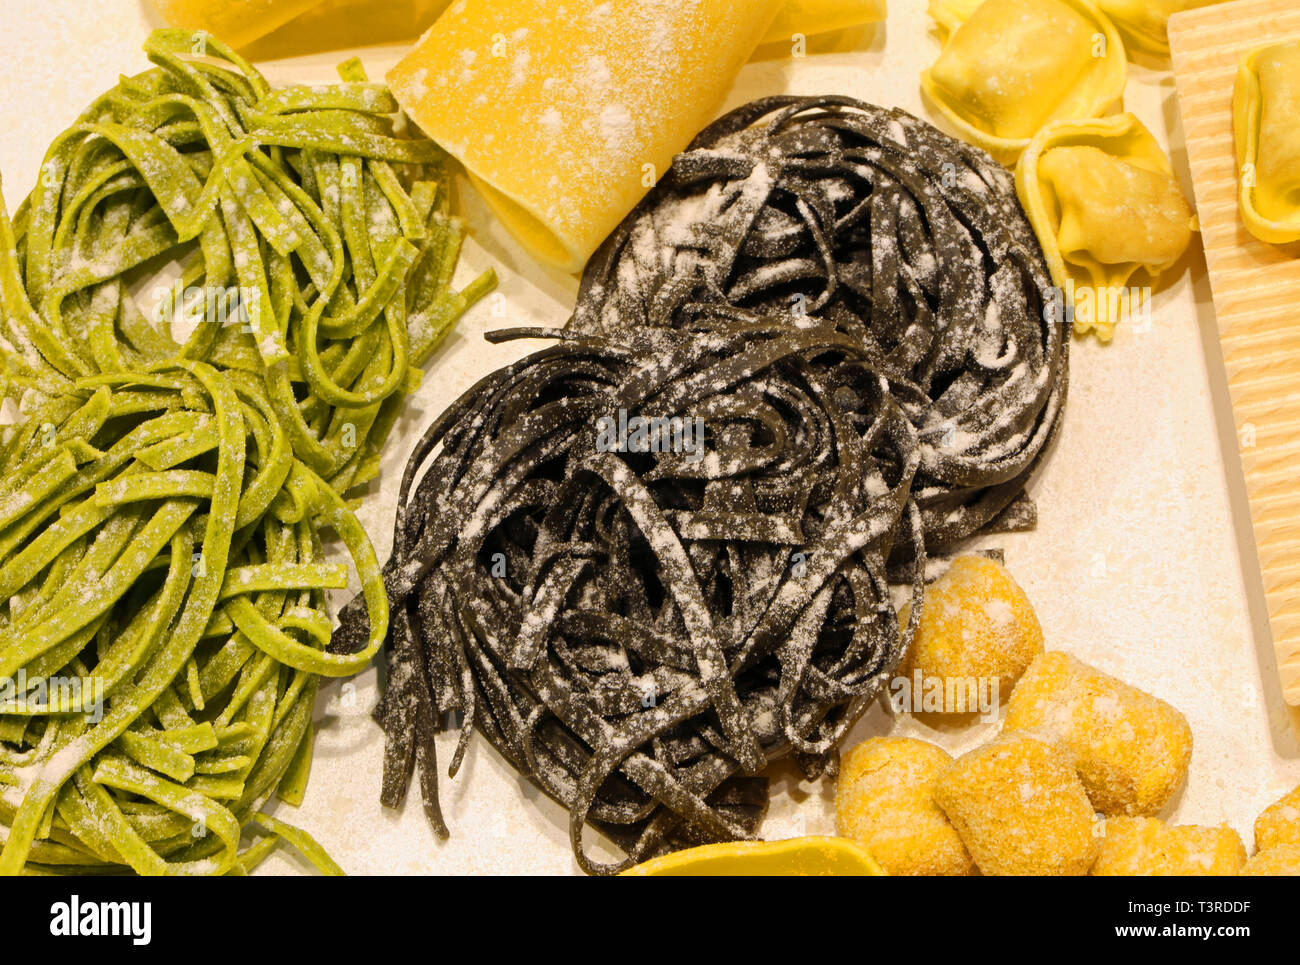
(1142, 563)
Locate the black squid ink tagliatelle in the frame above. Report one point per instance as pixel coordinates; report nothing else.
(850, 310)
(910, 240)
(642, 631)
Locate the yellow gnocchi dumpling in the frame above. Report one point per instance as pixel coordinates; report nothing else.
(1105, 204)
(1266, 118)
(1010, 66)
(1144, 23)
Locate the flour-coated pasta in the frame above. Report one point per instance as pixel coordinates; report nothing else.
(1103, 197)
(1010, 66)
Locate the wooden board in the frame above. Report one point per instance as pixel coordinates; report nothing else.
(1256, 295)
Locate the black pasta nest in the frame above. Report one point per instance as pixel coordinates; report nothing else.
(910, 241)
(636, 622)
(847, 317)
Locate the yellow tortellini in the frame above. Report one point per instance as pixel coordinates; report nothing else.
(1143, 23)
(1010, 66)
(1104, 201)
(1266, 117)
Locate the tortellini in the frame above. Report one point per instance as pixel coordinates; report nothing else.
(1010, 66)
(1266, 118)
(1103, 199)
(1144, 23)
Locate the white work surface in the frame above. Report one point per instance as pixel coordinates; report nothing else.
(1142, 563)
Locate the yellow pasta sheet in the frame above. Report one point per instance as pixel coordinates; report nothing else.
(340, 24)
(287, 28)
(235, 22)
(564, 122)
(822, 16)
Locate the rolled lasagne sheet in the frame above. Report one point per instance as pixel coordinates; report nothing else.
(564, 116)
(287, 28)
(810, 17)
(235, 22)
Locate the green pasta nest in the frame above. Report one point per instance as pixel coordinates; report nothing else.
(161, 554)
(312, 226)
(164, 500)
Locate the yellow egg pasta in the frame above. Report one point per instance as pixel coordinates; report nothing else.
(235, 22)
(1010, 66)
(565, 122)
(810, 17)
(270, 29)
(1266, 119)
(1102, 197)
(340, 24)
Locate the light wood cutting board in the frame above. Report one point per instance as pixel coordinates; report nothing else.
(1256, 295)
